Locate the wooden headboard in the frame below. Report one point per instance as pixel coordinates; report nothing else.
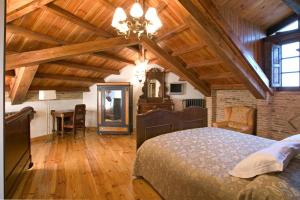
(158, 122)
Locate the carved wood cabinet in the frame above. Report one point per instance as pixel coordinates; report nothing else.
(154, 93)
(114, 102)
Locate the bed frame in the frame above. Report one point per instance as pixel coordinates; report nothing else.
(158, 122)
(16, 147)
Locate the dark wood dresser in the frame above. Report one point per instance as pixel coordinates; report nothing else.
(144, 107)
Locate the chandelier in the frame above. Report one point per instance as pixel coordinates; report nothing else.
(136, 23)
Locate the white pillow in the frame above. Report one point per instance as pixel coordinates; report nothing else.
(271, 159)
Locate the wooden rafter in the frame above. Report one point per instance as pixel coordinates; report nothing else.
(58, 53)
(176, 66)
(282, 24)
(48, 39)
(294, 5)
(21, 84)
(26, 9)
(61, 77)
(33, 35)
(82, 67)
(76, 20)
(172, 33)
(161, 6)
(204, 63)
(60, 89)
(216, 76)
(189, 49)
(209, 24)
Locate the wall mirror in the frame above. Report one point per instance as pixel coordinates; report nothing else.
(154, 90)
(113, 106)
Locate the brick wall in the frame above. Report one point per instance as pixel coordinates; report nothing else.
(273, 114)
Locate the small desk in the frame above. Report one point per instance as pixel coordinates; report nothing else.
(60, 114)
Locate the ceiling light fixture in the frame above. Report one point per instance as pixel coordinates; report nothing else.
(136, 22)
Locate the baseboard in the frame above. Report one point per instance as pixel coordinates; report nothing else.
(91, 129)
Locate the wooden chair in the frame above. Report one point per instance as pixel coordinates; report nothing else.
(78, 121)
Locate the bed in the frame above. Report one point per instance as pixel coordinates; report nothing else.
(194, 164)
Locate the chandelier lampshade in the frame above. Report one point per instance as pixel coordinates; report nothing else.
(136, 10)
(136, 22)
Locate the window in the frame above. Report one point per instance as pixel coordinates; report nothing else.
(290, 69)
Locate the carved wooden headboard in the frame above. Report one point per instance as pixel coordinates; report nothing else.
(158, 122)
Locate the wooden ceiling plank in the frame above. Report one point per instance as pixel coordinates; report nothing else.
(209, 23)
(204, 63)
(21, 84)
(113, 57)
(161, 6)
(33, 35)
(294, 5)
(172, 33)
(67, 78)
(189, 49)
(26, 9)
(228, 87)
(57, 53)
(223, 75)
(76, 20)
(83, 67)
(60, 88)
(176, 66)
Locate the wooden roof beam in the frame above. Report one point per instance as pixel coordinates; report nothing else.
(221, 75)
(294, 5)
(61, 77)
(48, 39)
(83, 67)
(76, 20)
(33, 35)
(168, 35)
(22, 82)
(189, 49)
(26, 9)
(57, 53)
(209, 24)
(176, 66)
(282, 24)
(60, 88)
(204, 63)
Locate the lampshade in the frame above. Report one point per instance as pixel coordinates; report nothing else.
(151, 14)
(119, 16)
(47, 94)
(136, 10)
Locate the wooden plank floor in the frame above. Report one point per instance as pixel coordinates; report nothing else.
(94, 167)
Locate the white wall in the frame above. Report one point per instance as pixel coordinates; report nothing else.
(39, 123)
(2, 46)
(127, 74)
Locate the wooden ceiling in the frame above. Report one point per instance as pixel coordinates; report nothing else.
(69, 44)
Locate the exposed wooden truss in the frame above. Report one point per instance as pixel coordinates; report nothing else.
(210, 25)
(82, 67)
(67, 78)
(172, 33)
(21, 84)
(28, 8)
(60, 89)
(176, 66)
(58, 53)
(228, 87)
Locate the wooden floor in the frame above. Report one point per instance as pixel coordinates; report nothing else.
(94, 167)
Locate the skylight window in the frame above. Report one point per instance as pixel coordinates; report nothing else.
(292, 26)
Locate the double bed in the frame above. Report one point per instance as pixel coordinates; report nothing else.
(194, 164)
